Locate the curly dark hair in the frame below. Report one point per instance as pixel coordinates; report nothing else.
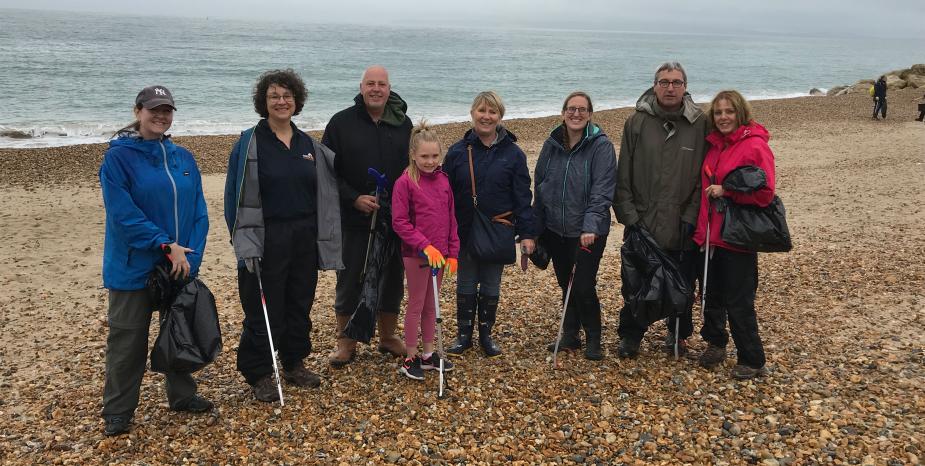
(288, 79)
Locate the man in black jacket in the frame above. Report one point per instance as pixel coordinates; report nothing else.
(880, 98)
(373, 133)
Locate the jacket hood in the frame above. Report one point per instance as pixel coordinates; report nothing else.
(648, 103)
(592, 132)
(395, 108)
(132, 140)
(751, 130)
(504, 136)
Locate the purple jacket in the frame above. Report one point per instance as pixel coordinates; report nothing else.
(424, 214)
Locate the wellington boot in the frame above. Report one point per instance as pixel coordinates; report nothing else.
(388, 342)
(465, 319)
(487, 312)
(344, 348)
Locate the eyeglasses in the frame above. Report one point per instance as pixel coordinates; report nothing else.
(275, 97)
(578, 110)
(666, 83)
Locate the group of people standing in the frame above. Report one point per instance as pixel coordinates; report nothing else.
(292, 203)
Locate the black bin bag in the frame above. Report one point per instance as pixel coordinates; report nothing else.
(653, 286)
(759, 229)
(190, 337)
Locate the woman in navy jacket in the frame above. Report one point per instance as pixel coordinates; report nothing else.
(575, 179)
(152, 192)
(502, 183)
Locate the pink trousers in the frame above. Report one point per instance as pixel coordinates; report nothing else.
(421, 312)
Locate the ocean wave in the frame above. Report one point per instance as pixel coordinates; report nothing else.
(26, 136)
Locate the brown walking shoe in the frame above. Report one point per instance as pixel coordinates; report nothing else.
(301, 377)
(712, 357)
(265, 389)
(743, 372)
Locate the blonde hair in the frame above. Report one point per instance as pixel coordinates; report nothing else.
(741, 106)
(491, 99)
(422, 132)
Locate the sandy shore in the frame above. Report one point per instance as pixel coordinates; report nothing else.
(842, 317)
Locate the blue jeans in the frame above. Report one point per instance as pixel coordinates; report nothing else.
(478, 277)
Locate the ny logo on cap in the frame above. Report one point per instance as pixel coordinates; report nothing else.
(159, 91)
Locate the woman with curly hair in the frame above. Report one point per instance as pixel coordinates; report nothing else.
(282, 210)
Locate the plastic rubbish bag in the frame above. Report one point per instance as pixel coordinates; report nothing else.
(653, 286)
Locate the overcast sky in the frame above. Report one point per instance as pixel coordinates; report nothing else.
(876, 18)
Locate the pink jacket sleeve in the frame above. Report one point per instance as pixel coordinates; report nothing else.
(760, 155)
(401, 215)
(451, 215)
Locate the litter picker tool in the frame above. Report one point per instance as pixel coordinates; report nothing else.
(266, 319)
(381, 180)
(568, 294)
(706, 250)
(433, 278)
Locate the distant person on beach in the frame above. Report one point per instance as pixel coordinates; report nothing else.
(283, 214)
(372, 133)
(736, 140)
(658, 185)
(880, 98)
(921, 116)
(574, 180)
(488, 160)
(152, 192)
(424, 218)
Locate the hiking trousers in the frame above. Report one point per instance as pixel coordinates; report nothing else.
(289, 270)
(129, 318)
(584, 307)
(733, 282)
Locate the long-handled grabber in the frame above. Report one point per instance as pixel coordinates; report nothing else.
(433, 278)
(266, 320)
(706, 250)
(568, 294)
(381, 180)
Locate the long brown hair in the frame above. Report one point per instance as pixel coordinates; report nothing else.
(133, 126)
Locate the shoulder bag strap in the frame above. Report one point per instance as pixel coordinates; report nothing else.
(475, 199)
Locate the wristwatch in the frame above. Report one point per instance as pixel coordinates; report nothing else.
(166, 248)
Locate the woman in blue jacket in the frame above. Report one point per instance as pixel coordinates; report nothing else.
(152, 192)
(502, 183)
(575, 179)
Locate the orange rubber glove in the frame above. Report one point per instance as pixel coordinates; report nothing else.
(434, 259)
(451, 265)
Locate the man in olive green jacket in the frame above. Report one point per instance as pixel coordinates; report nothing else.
(658, 183)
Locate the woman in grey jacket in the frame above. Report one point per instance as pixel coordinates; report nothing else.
(283, 212)
(574, 179)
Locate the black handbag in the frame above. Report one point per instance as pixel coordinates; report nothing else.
(491, 239)
(759, 229)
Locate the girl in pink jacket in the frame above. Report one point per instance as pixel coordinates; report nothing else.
(423, 217)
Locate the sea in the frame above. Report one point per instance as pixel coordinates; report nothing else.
(71, 78)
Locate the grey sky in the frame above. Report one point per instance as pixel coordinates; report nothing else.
(881, 18)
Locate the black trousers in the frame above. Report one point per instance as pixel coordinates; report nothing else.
(688, 262)
(347, 290)
(289, 270)
(731, 287)
(584, 307)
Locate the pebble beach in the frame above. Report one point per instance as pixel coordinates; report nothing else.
(842, 317)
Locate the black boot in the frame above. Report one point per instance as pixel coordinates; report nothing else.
(465, 316)
(590, 313)
(570, 341)
(488, 310)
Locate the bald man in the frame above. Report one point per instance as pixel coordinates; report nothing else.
(373, 133)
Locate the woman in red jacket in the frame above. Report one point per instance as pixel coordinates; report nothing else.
(736, 141)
